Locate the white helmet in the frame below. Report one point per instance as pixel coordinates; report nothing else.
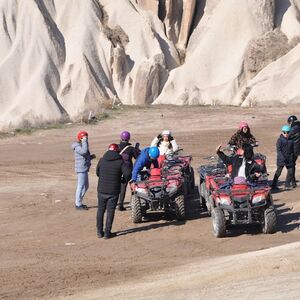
(166, 132)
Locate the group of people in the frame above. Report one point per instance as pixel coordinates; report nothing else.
(116, 169)
(287, 148)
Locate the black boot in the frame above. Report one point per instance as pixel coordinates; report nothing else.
(274, 183)
(121, 207)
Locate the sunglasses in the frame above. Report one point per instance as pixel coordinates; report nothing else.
(285, 132)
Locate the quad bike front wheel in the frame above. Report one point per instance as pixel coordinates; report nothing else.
(219, 222)
(136, 210)
(179, 207)
(270, 220)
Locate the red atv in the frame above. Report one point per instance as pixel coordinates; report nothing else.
(216, 167)
(162, 190)
(240, 202)
(181, 163)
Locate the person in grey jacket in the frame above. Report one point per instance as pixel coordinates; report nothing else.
(82, 166)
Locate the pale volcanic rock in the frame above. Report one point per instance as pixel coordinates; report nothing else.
(211, 72)
(62, 60)
(278, 83)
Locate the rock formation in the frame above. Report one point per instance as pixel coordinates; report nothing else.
(60, 60)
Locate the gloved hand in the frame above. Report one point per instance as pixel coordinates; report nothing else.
(93, 156)
(170, 138)
(159, 136)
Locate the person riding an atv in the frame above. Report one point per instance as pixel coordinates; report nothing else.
(243, 164)
(165, 143)
(147, 157)
(242, 136)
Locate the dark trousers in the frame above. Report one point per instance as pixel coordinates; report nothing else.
(289, 176)
(107, 203)
(122, 194)
(294, 169)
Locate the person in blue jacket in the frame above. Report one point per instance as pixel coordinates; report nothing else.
(285, 158)
(147, 157)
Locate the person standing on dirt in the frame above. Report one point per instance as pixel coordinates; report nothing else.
(243, 164)
(82, 166)
(285, 158)
(294, 135)
(109, 170)
(147, 157)
(165, 143)
(242, 136)
(128, 152)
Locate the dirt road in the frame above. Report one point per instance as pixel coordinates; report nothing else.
(48, 249)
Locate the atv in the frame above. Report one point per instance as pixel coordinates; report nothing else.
(214, 167)
(162, 190)
(240, 202)
(182, 163)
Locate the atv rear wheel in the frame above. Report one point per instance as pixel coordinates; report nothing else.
(219, 222)
(179, 207)
(136, 210)
(270, 220)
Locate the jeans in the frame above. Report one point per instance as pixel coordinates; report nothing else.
(82, 187)
(109, 203)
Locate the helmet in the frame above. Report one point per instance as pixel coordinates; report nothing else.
(154, 152)
(243, 124)
(291, 119)
(114, 147)
(125, 136)
(286, 128)
(81, 134)
(166, 132)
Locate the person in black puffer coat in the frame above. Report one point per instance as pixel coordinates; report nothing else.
(285, 158)
(110, 169)
(294, 135)
(243, 164)
(128, 152)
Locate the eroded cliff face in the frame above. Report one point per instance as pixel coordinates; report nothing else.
(61, 60)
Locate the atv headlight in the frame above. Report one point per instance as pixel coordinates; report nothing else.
(258, 199)
(171, 188)
(224, 201)
(141, 190)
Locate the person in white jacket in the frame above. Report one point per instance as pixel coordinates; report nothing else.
(165, 143)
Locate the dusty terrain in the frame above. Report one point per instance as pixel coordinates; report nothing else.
(48, 249)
